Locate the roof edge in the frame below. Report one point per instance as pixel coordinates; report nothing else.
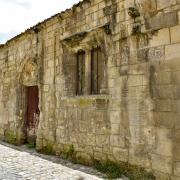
(43, 22)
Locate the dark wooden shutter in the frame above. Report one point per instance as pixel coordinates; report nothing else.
(80, 72)
(97, 70)
(101, 67)
(94, 71)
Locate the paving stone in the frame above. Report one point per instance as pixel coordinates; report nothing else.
(17, 165)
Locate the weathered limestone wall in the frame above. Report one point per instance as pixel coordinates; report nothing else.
(18, 68)
(135, 118)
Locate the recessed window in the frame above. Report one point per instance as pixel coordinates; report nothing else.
(90, 75)
(97, 70)
(80, 72)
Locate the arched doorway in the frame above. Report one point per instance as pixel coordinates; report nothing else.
(29, 79)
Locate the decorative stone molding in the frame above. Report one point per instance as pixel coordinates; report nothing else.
(109, 10)
(29, 75)
(133, 12)
(87, 40)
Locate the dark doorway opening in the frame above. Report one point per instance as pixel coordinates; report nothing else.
(32, 117)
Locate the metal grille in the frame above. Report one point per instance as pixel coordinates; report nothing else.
(80, 72)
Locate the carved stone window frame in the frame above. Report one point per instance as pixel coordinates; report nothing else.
(87, 41)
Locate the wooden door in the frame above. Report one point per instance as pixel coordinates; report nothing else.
(32, 113)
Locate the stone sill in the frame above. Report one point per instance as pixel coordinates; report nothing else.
(87, 97)
(86, 101)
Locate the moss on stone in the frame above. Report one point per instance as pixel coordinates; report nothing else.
(71, 151)
(82, 160)
(31, 145)
(11, 137)
(48, 149)
(111, 169)
(68, 152)
(83, 102)
(117, 170)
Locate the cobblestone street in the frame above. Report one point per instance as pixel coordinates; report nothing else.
(15, 165)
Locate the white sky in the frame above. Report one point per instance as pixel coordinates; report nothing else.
(18, 15)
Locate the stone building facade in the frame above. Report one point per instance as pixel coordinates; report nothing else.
(103, 77)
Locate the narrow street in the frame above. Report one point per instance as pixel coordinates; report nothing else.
(17, 165)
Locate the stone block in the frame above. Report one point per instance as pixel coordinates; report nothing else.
(102, 5)
(165, 106)
(162, 37)
(163, 78)
(82, 126)
(136, 80)
(128, 3)
(120, 6)
(120, 154)
(115, 104)
(113, 72)
(108, 10)
(123, 32)
(175, 177)
(164, 91)
(172, 52)
(146, 6)
(177, 169)
(175, 34)
(164, 142)
(91, 139)
(138, 156)
(115, 117)
(100, 156)
(176, 151)
(161, 4)
(176, 77)
(120, 16)
(165, 119)
(162, 176)
(102, 140)
(117, 141)
(162, 21)
(162, 164)
(111, 83)
(177, 121)
(115, 129)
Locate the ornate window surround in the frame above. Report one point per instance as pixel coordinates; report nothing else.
(87, 41)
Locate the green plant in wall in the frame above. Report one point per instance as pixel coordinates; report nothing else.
(31, 145)
(114, 170)
(110, 169)
(69, 153)
(11, 137)
(48, 149)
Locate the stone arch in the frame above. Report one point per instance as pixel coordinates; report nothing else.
(29, 74)
(28, 90)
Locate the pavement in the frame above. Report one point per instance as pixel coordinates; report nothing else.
(22, 165)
